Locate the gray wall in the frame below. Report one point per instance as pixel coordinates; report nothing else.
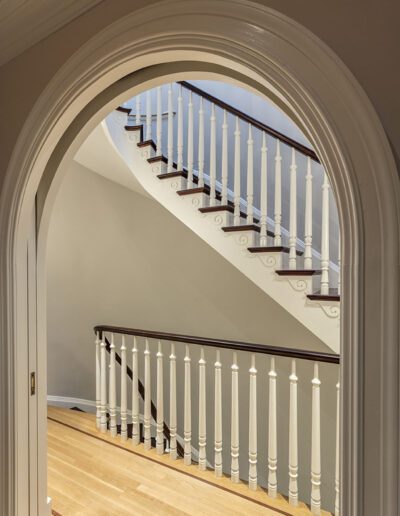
(112, 258)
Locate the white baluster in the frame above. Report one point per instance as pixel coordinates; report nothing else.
(224, 162)
(187, 423)
(103, 388)
(98, 382)
(160, 401)
(293, 212)
(293, 439)
(316, 445)
(113, 390)
(325, 237)
(218, 417)
(147, 398)
(253, 425)
(213, 156)
(272, 434)
(190, 142)
(159, 121)
(202, 411)
(235, 421)
(137, 117)
(180, 130)
(172, 403)
(308, 219)
(278, 195)
(201, 144)
(170, 166)
(148, 115)
(250, 173)
(264, 193)
(237, 178)
(337, 461)
(135, 395)
(124, 393)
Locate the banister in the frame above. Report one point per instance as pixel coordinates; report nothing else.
(301, 354)
(255, 123)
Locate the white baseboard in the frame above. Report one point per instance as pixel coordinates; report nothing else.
(66, 402)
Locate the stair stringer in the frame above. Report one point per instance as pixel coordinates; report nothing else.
(322, 318)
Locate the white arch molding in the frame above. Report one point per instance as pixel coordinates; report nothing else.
(312, 85)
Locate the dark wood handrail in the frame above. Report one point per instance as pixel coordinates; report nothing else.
(264, 349)
(166, 430)
(256, 123)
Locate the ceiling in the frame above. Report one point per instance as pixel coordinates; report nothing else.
(25, 22)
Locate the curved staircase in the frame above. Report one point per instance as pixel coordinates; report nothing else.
(297, 276)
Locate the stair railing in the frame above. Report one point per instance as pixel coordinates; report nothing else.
(240, 180)
(256, 356)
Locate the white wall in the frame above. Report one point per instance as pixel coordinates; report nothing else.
(113, 258)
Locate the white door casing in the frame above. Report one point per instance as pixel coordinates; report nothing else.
(312, 85)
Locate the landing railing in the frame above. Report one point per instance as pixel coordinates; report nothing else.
(204, 138)
(281, 411)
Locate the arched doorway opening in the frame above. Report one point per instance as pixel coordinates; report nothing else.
(351, 147)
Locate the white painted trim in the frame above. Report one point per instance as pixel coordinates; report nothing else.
(283, 59)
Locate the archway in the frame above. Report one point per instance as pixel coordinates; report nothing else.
(343, 128)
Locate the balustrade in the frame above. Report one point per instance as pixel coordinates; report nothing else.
(263, 371)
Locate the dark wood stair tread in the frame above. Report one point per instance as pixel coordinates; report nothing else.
(123, 109)
(298, 272)
(272, 249)
(220, 207)
(244, 227)
(147, 143)
(155, 159)
(332, 296)
(168, 175)
(133, 127)
(189, 191)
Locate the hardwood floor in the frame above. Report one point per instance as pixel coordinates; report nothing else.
(90, 473)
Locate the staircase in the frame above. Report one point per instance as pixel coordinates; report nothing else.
(297, 274)
(176, 425)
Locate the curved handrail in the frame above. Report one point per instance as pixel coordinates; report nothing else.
(256, 123)
(315, 356)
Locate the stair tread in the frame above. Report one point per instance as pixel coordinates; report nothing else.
(272, 249)
(244, 227)
(220, 207)
(133, 127)
(298, 272)
(147, 143)
(331, 296)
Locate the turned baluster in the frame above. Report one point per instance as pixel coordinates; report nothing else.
(264, 193)
(218, 416)
(237, 178)
(235, 421)
(293, 213)
(124, 393)
(147, 398)
(202, 411)
(187, 426)
(308, 219)
(159, 121)
(172, 403)
(278, 195)
(135, 395)
(253, 425)
(272, 434)
(250, 173)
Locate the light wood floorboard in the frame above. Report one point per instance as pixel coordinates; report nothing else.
(90, 473)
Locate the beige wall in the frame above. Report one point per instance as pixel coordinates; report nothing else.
(113, 258)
